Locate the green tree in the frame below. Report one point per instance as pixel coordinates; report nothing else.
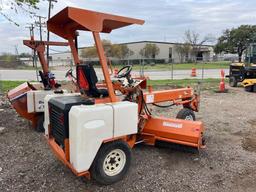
(25, 5)
(111, 50)
(121, 51)
(236, 40)
(25, 55)
(91, 52)
(150, 50)
(107, 45)
(27, 2)
(8, 57)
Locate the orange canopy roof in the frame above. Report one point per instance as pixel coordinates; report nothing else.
(70, 19)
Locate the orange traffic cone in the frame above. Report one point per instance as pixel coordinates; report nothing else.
(222, 82)
(222, 87)
(193, 72)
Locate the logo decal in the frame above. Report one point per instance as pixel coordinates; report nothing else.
(173, 125)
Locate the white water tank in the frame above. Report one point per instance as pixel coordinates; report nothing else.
(125, 118)
(90, 125)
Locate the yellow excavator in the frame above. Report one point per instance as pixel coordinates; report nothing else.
(249, 82)
(244, 72)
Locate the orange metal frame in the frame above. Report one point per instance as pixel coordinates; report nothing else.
(182, 96)
(173, 130)
(65, 24)
(69, 20)
(39, 47)
(74, 19)
(18, 96)
(18, 99)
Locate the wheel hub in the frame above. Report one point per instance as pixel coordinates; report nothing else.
(114, 162)
(189, 118)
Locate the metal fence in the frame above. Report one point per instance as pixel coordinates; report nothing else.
(156, 69)
(144, 61)
(66, 60)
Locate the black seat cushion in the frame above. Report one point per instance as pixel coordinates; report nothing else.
(92, 79)
(103, 92)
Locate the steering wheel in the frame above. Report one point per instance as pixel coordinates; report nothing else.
(124, 72)
(69, 73)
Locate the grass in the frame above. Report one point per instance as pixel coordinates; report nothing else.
(148, 67)
(7, 85)
(26, 67)
(206, 84)
(183, 66)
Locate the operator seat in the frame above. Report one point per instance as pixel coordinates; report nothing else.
(87, 79)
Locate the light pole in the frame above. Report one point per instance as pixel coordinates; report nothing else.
(48, 32)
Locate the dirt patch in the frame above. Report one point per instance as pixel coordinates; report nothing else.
(249, 141)
(27, 164)
(253, 123)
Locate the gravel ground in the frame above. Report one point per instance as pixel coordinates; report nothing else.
(227, 164)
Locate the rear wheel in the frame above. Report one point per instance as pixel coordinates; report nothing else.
(254, 88)
(186, 114)
(232, 81)
(111, 163)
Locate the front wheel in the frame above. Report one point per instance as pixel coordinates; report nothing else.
(111, 163)
(186, 114)
(232, 81)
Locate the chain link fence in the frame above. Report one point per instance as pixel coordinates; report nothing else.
(164, 68)
(156, 69)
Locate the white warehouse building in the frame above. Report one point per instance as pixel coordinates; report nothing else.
(167, 53)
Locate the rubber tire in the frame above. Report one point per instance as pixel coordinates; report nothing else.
(40, 124)
(183, 113)
(97, 171)
(232, 81)
(254, 88)
(249, 88)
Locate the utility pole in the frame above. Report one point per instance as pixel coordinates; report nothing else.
(40, 25)
(31, 31)
(16, 51)
(48, 33)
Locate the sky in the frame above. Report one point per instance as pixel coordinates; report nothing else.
(165, 20)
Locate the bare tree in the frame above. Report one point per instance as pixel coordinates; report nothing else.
(193, 39)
